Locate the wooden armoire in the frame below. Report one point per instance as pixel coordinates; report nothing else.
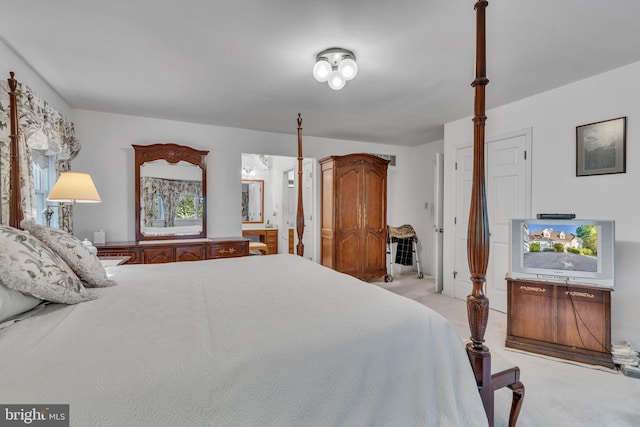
(354, 214)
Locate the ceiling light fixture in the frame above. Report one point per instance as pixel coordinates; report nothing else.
(335, 66)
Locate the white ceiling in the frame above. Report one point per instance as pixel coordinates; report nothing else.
(247, 64)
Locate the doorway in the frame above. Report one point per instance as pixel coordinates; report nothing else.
(281, 197)
(508, 187)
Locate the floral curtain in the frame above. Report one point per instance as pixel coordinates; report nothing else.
(42, 132)
(171, 191)
(5, 146)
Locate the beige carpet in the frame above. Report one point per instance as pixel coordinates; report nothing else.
(557, 393)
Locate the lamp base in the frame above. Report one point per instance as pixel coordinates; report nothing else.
(48, 213)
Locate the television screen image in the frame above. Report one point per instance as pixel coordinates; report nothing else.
(561, 247)
(567, 250)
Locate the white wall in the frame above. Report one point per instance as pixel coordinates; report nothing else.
(553, 116)
(107, 154)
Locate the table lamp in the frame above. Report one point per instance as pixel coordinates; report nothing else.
(72, 187)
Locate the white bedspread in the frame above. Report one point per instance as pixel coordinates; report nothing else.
(254, 341)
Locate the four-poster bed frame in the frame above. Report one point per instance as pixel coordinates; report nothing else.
(478, 232)
(300, 211)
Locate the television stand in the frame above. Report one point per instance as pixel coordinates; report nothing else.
(564, 320)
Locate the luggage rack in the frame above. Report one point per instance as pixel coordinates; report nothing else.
(394, 235)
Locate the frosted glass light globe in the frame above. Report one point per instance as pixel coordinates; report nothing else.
(322, 70)
(336, 81)
(348, 68)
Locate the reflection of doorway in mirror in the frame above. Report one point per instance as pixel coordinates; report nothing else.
(289, 198)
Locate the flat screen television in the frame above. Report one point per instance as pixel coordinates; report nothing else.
(565, 250)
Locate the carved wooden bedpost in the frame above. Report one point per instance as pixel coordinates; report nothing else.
(15, 207)
(478, 232)
(300, 213)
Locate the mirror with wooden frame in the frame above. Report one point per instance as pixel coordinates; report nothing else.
(170, 192)
(252, 201)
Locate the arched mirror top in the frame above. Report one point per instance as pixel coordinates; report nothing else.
(170, 192)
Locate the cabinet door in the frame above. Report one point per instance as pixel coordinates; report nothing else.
(581, 318)
(531, 311)
(349, 219)
(374, 222)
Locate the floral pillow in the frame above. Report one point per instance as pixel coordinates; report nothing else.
(27, 265)
(79, 257)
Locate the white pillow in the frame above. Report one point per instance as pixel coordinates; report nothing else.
(79, 257)
(13, 303)
(27, 265)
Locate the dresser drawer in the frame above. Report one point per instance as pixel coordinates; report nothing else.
(190, 253)
(135, 256)
(227, 249)
(159, 255)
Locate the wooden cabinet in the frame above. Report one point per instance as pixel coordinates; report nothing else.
(568, 321)
(290, 240)
(354, 214)
(156, 253)
(269, 236)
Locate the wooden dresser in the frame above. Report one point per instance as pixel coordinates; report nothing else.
(269, 236)
(150, 252)
(354, 215)
(567, 321)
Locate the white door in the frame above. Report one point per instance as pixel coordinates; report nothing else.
(463, 175)
(308, 205)
(507, 197)
(508, 194)
(438, 191)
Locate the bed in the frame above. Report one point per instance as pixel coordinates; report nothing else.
(273, 340)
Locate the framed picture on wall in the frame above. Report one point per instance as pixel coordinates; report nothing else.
(601, 147)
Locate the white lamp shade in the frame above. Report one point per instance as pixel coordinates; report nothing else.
(322, 70)
(348, 68)
(74, 187)
(336, 81)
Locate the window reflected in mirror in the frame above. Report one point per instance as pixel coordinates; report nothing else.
(252, 200)
(172, 206)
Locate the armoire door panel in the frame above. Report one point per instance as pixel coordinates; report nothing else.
(350, 253)
(374, 190)
(348, 206)
(375, 255)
